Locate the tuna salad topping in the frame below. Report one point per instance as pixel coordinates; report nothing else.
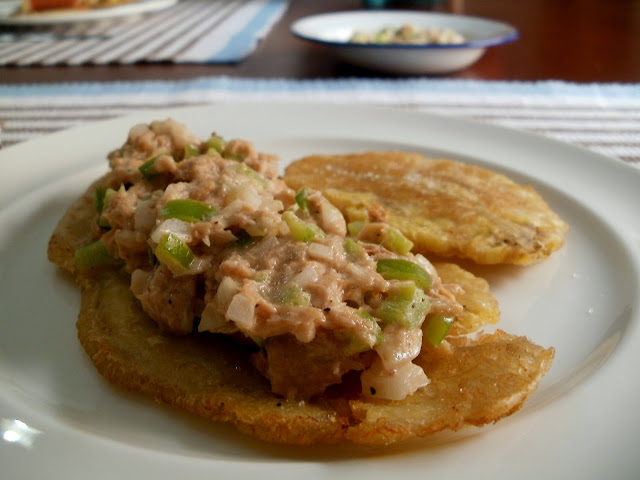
(215, 242)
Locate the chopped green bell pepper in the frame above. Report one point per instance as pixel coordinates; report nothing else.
(93, 255)
(400, 269)
(355, 227)
(374, 323)
(191, 151)
(174, 253)
(354, 343)
(301, 199)
(436, 327)
(215, 144)
(102, 197)
(353, 249)
(301, 230)
(146, 169)
(395, 241)
(406, 305)
(292, 294)
(247, 171)
(188, 210)
(98, 197)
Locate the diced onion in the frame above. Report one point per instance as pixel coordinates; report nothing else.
(246, 194)
(358, 272)
(179, 228)
(320, 251)
(226, 290)
(241, 311)
(251, 198)
(400, 346)
(233, 208)
(145, 216)
(308, 276)
(139, 281)
(395, 385)
(331, 219)
(210, 320)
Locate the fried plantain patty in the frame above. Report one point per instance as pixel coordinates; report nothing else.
(445, 207)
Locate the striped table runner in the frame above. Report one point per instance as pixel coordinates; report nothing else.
(602, 117)
(190, 31)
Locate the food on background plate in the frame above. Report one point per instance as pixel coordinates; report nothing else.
(34, 6)
(408, 34)
(444, 207)
(211, 285)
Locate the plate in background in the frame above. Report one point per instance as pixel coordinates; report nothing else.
(10, 13)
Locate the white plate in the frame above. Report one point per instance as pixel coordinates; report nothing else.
(10, 13)
(334, 30)
(581, 423)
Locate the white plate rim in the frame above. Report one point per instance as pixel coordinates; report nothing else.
(572, 410)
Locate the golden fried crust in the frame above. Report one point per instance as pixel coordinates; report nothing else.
(480, 306)
(479, 382)
(444, 207)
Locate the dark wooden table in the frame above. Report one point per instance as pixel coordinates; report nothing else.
(571, 40)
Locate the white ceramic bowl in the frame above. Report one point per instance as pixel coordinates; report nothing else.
(334, 30)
